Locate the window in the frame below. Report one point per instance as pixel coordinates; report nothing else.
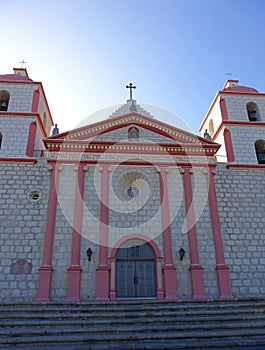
(4, 100)
(133, 133)
(1, 139)
(260, 151)
(253, 112)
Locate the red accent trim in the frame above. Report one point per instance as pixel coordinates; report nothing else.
(158, 258)
(245, 166)
(159, 129)
(35, 101)
(102, 288)
(195, 267)
(169, 269)
(222, 269)
(40, 86)
(229, 146)
(74, 271)
(18, 160)
(45, 271)
(223, 109)
(31, 139)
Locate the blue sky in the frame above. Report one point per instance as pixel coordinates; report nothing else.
(176, 52)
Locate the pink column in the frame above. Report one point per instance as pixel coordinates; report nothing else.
(45, 271)
(223, 109)
(222, 270)
(35, 101)
(31, 139)
(102, 290)
(195, 267)
(74, 271)
(169, 268)
(228, 146)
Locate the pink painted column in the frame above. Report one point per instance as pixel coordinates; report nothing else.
(222, 270)
(45, 271)
(31, 139)
(223, 109)
(229, 146)
(196, 269)
(169, 268)
(74, 271)
(102, 289)
(35, 101)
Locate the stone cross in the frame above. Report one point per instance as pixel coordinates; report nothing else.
(22, 62)
(130, 86)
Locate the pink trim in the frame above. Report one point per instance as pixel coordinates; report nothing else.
(169, 269)
(246, 166)
(158, 258)
(45, 271)
(18, 160)
(223, 109)
(102, 288)
(74, 271)
(31, 139)
(35, 101)
(195, 267)
(228, 146)
(222, 269)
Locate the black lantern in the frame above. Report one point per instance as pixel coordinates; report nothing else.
(181, 254)
(89, 253)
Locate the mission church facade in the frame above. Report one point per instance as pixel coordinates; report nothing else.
(130, 207)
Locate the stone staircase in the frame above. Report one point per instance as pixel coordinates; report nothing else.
(149, 324)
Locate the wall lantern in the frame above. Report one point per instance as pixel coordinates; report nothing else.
(89, 253)
(181, 254)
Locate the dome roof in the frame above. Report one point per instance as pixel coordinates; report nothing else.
(14, 77)
(241, 89)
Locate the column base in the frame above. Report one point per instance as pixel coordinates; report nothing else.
(74, 276)
(224, 284)
(102, 291)
(170, 282)
(197, 282)
(44, 283)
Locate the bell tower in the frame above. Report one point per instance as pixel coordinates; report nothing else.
(236, 120)
(25, 117)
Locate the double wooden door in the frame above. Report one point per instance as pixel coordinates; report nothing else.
(135, 278)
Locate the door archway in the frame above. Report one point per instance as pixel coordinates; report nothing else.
(136, 269)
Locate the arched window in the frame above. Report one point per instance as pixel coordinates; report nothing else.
(260, 151)
(253, 112)
(4, 100)
(1, 139)
(133, 133)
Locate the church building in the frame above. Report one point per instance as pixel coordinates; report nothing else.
(131, 207)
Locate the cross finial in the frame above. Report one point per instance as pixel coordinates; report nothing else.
(22, 62)
(228, 75)
(130, 86)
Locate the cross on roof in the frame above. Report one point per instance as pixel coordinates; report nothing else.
(22, 62)
(130, 86)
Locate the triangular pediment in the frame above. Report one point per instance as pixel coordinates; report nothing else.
(109, 141)
(116, 130)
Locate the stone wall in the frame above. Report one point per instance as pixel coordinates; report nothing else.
(22, 228)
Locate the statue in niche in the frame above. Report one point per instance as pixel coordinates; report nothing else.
(133, 133)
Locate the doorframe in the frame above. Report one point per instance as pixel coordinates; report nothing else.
(158, 264)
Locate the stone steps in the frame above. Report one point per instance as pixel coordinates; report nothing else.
(133, 325)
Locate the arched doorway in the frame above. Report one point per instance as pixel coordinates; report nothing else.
(135, 271)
